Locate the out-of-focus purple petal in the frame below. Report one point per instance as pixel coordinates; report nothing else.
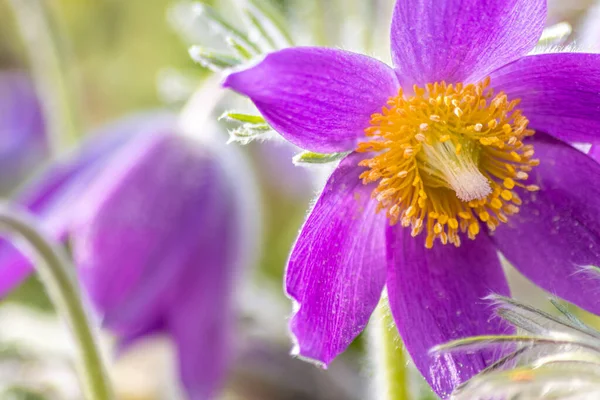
(461, 40)
(53, 194)
(23, 140)
(558, 92)
(139, 223)
(156, 245)
(336, 270)
(556, 235)
(437, 295)
(201, 318)
(319, 99)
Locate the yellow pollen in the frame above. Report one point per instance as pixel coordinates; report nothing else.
(447, 159)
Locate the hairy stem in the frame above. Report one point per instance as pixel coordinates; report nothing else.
(387, 355)
(56, 273)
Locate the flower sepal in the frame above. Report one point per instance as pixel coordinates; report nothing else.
(309, 157)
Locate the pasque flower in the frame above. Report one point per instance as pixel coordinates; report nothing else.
(159, 248)
(53, 193)
(156, 227)
(457, 152)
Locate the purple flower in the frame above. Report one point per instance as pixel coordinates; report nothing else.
(442, 152)
(157, 243)
(55, 191)
(23, 141)
(157, 234)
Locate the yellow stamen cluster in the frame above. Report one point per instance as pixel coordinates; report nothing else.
(448, 157)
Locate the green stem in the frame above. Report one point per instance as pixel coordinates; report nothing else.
(387, 354)
(50, 71)
(55, 271)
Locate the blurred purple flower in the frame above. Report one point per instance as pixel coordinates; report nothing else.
(55, 191)
(155, 229)
(23, 140)
(157, 244)
(443, 157)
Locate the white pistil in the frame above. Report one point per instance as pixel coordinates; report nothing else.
(459, 171)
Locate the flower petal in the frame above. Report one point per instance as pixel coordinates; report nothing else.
(437, 295)
(556, 235)
(319, 99)
(595, 152)
(201, 316)
(558, 92)
(53, 194)
(454, 40)
(141, 224)
(336, 270)
(24, 143)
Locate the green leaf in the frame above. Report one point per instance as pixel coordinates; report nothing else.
(270, 23)
(250, 132)
(233, 116)
(219, 23)
(479, 342)
(212, 59)
(238, 48)
(555, 35)
(308, 157)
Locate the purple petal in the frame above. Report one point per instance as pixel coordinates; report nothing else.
(23, 140)
(556, 235)
(437, 295)
(157, 248)
(595, 152)
(201, 316)
(336, 270)
(461, 40)
(319, 99)
(558, 92)
(141, 222)
(54, 192)
(202, 331)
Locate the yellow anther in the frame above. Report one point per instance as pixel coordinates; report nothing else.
(465, 215)
(509, 183)
(484, 216)
(473, 229)
(453, 223)
(507, 195)
(496, 203)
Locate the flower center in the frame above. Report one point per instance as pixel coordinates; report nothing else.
(447, 158)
